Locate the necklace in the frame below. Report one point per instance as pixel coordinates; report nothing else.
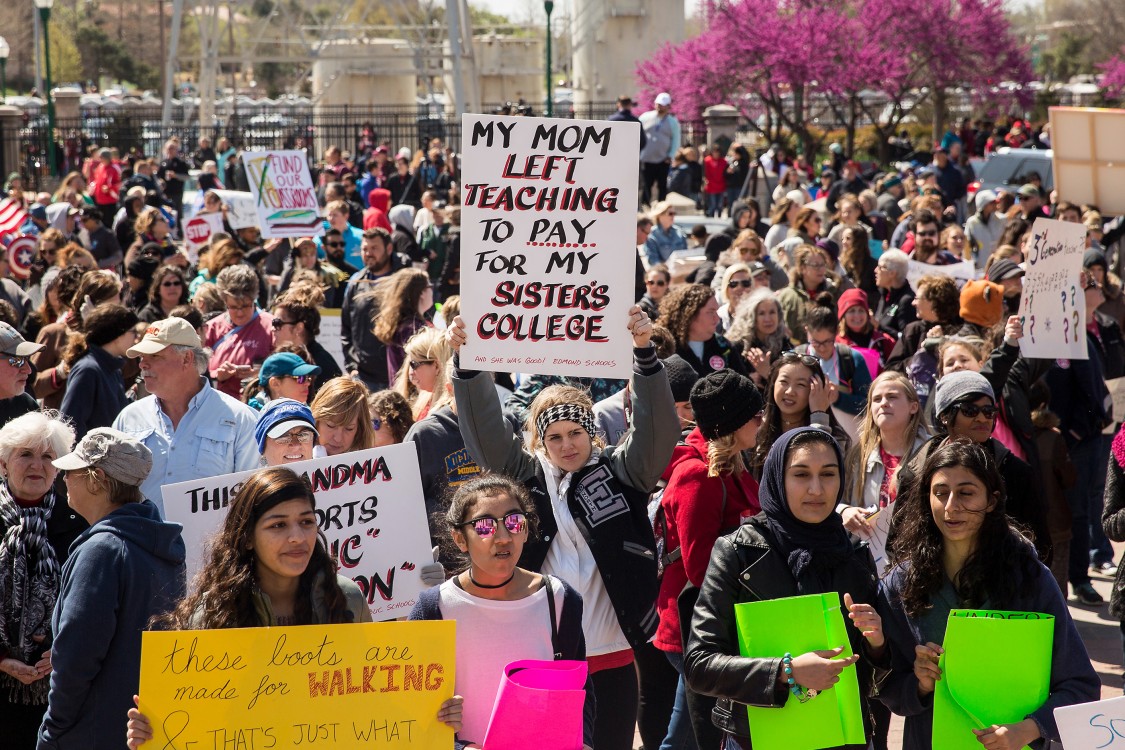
(486, 586)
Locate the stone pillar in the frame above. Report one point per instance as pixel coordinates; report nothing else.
(11, 120)
(722, 124)
(66, 105)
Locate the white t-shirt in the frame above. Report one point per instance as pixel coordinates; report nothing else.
(490, 635)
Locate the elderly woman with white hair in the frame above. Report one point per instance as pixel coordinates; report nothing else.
(37, 528)
(895, 309)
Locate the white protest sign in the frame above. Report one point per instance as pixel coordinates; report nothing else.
(959, 272)
(1053, 305)
(548, 244)
(241, 211)
(198, 231)
(331, 334)
(1088, 726)
(283, 193)
(369, 505)
(880, 523)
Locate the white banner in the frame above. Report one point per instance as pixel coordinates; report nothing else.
(959, 272)
(331, 336)
(1053, 305)
(1087, 726)
(283, 193)
(241, 211)
(548, 228)
(369, 505)
(198, 231)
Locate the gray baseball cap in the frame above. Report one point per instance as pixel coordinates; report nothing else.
(15, 345)
(118, 455)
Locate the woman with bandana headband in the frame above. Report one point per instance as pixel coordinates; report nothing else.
(591, 501)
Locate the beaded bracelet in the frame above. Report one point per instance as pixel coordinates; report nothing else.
(802, 694)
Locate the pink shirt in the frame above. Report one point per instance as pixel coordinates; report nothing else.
(250, 345)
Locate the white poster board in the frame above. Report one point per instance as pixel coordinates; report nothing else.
(283, 193)
(1088, 156)
(1088, 726)
(548, 238)
(198, 231)
(241, 211)
(369, 505)
(331, 334)
(960, 272)
(1053, 304)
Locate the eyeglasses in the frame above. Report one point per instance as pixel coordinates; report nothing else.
(302, 379)
(17, 362)
(277, 323)
(972, 410)
(300, 437)
(247, 306)
(171, 284)
(927, 233)
(415, 364)
(821, 264)
(485, 526)
(656, 282)
(334, 244)
(824, 342)
(743, 283)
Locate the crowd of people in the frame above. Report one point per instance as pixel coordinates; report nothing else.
(785, 391)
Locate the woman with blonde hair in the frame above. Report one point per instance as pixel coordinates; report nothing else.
(151, 226)
(736, 284)
(343, 417)
(807, 278)
(421, 379)
(404, 300)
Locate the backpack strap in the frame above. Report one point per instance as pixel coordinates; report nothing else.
(554, 622)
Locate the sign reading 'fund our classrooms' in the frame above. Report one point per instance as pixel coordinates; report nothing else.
(548, 244)
(283, 193)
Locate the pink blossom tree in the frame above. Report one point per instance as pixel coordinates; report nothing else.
(1113, 76)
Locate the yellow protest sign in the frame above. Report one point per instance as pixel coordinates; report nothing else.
(328, 686)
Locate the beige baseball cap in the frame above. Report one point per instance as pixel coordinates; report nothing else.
(164, 333)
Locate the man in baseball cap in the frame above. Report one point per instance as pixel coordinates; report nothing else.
(15, 369)
(1010, 276)
(192, 430)
(661, 142)
(1030, 202)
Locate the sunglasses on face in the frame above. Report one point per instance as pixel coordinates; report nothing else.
(302, 379)
(656, 282)
(929, 233)
(415, 364)
(171, 284)
(972, 410)
(17, 362)
(277, 323)
(485, 526)
(743, 283)
(334, 244)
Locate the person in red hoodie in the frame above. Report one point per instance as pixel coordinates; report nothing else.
(714, 180)
(378, 201)
(106, 186)
(710, 491)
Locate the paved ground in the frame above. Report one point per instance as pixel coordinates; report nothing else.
(1101, 634)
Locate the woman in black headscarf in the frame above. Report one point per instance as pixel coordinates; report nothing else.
(796, 546)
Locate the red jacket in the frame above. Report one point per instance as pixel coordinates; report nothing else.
(106, 184)
(714, 174)
(379, 200)
(692, 502)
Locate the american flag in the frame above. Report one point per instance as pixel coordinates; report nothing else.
(12, 217)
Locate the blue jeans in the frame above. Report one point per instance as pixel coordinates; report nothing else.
(680, 734)
(714, 204)
(1090, 459)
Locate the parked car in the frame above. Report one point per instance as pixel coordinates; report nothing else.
(1006, 169)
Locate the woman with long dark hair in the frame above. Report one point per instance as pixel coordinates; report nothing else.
(404, 300)
(955, 549)
(168, 290)
(797, 395)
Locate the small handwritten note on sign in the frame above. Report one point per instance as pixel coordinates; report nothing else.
(548, 237)
(1053, 305)
(1091, 726)
(327, 686)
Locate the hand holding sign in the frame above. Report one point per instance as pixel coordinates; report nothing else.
(820, 670)
(1009, 736)
(926, 667)
(640, 326)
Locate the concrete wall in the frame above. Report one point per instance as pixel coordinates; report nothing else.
(371, 71)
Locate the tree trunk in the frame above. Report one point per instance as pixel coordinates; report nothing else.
(850, 126)
(940, 103)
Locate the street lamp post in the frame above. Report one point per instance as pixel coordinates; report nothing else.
(5, 50)
(44, 7)
(549, 5)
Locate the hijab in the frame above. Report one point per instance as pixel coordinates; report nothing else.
(809, 548)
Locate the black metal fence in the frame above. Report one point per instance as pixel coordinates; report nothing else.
(138, 130)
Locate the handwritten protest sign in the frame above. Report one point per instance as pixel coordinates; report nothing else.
(548, 237)
(242, 212)
(198, 231)
(1053, 305)
(814, 622)
(355, 685)
(1092, 725)
(331, 334)
(283, 193)
(996, 669)
(959, 272)
(369, 505)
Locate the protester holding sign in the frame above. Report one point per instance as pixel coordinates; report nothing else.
(955, 549)
(494, 601)
(269, 566)
(797, 545)
(581, 491)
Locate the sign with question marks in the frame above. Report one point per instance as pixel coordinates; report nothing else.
(1053, 305)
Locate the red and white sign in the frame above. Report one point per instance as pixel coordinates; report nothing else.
(198, 231)
(21, 251)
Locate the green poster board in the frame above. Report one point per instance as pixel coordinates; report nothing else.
(996, 669)
(797, 625)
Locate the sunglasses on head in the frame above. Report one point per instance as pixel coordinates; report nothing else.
(485, 526)
(805, 359)
(972, 410)
(743, 283)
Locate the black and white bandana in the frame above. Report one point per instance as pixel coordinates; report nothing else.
(568, 413)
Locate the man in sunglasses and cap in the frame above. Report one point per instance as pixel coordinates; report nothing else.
(15, 369)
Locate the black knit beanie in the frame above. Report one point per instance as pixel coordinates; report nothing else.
(681, 377)
(724, 401)
(106, 322)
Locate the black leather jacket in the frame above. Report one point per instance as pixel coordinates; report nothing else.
(744, 568)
